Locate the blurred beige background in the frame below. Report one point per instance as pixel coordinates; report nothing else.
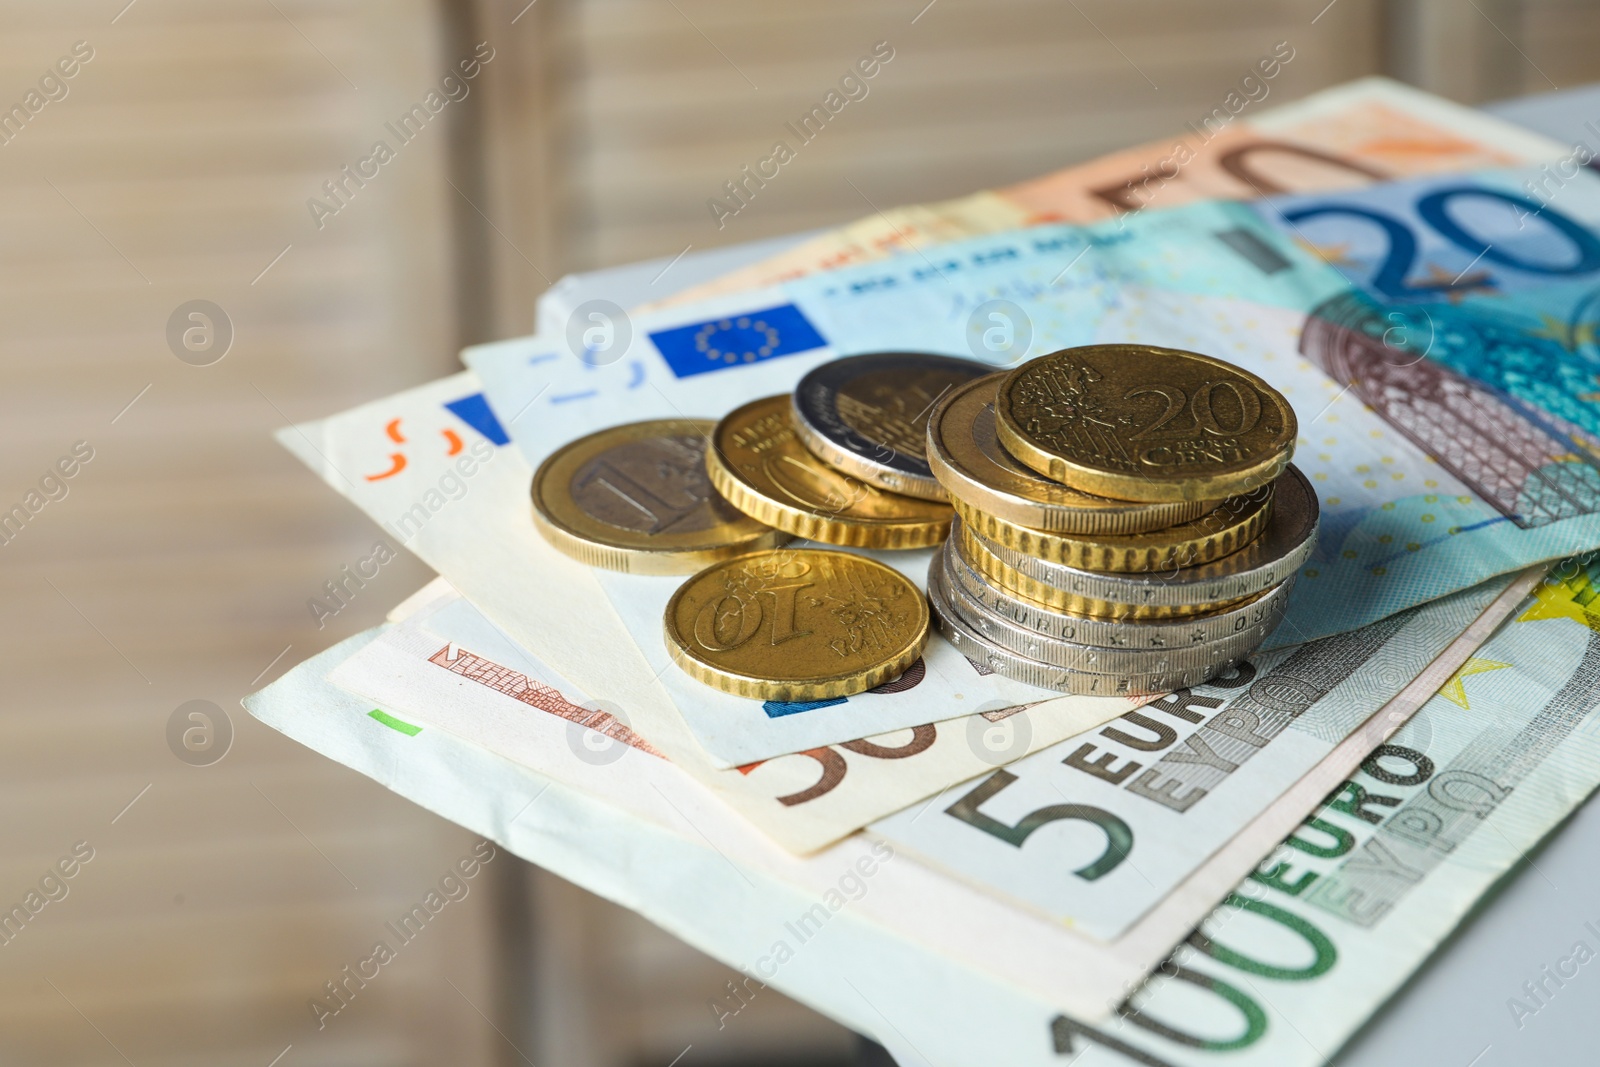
(177, 166)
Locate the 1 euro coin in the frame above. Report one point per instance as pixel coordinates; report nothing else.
(867, 415)
(637, 498)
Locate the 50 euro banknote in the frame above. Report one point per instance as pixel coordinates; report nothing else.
(1369, 130)
(433, 468)
(447, 668)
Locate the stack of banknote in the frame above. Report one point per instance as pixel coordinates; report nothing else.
(964, 866)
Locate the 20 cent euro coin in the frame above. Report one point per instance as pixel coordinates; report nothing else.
(1137, 422)
(966, 456)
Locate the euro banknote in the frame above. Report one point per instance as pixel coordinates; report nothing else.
(431, 466)
(1459, 313)
(448, 667)
(712, 879)
(1095, 831)
(1163, 278)
(445, 667)
(1369, 130)
(1296, 960)
(1464, 311)
(1331, 923)
(568, 398)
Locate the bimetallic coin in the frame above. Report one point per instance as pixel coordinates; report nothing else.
(986, 653)
(1270, 559)
(1136, 422)
(1101, 659)
(966, 456)
(637, 498)
(1265, 609)
(1225, 529)
(758, 463)
(796, 624)
(867, 415)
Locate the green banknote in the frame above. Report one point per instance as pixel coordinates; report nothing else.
(1334, 920)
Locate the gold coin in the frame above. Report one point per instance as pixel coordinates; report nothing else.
(965, 454)
(981, 559)
(637, 498)
(1226, 528)
(1136, 422)
(796, 624)
(1172, 592)
(758, 463)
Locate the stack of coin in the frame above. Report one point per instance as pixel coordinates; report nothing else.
(1128, 521)
(842, 461)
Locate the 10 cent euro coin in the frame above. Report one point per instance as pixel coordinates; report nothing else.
(796, 624)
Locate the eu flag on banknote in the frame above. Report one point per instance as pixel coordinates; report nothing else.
(749, 337)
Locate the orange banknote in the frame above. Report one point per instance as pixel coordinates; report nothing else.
(1362, 132)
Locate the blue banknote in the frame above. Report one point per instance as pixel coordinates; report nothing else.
(1490, 324)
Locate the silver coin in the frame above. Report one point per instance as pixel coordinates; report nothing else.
(1266, 609)
(1099, 659)
(867, 415)
(1265, 562)
(985, 653)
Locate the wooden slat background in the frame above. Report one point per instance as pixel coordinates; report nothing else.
(1493, 49)
(1561, 37)
(661, 109)
(178, 167)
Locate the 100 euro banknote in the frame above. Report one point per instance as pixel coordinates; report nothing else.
(1330, 924)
